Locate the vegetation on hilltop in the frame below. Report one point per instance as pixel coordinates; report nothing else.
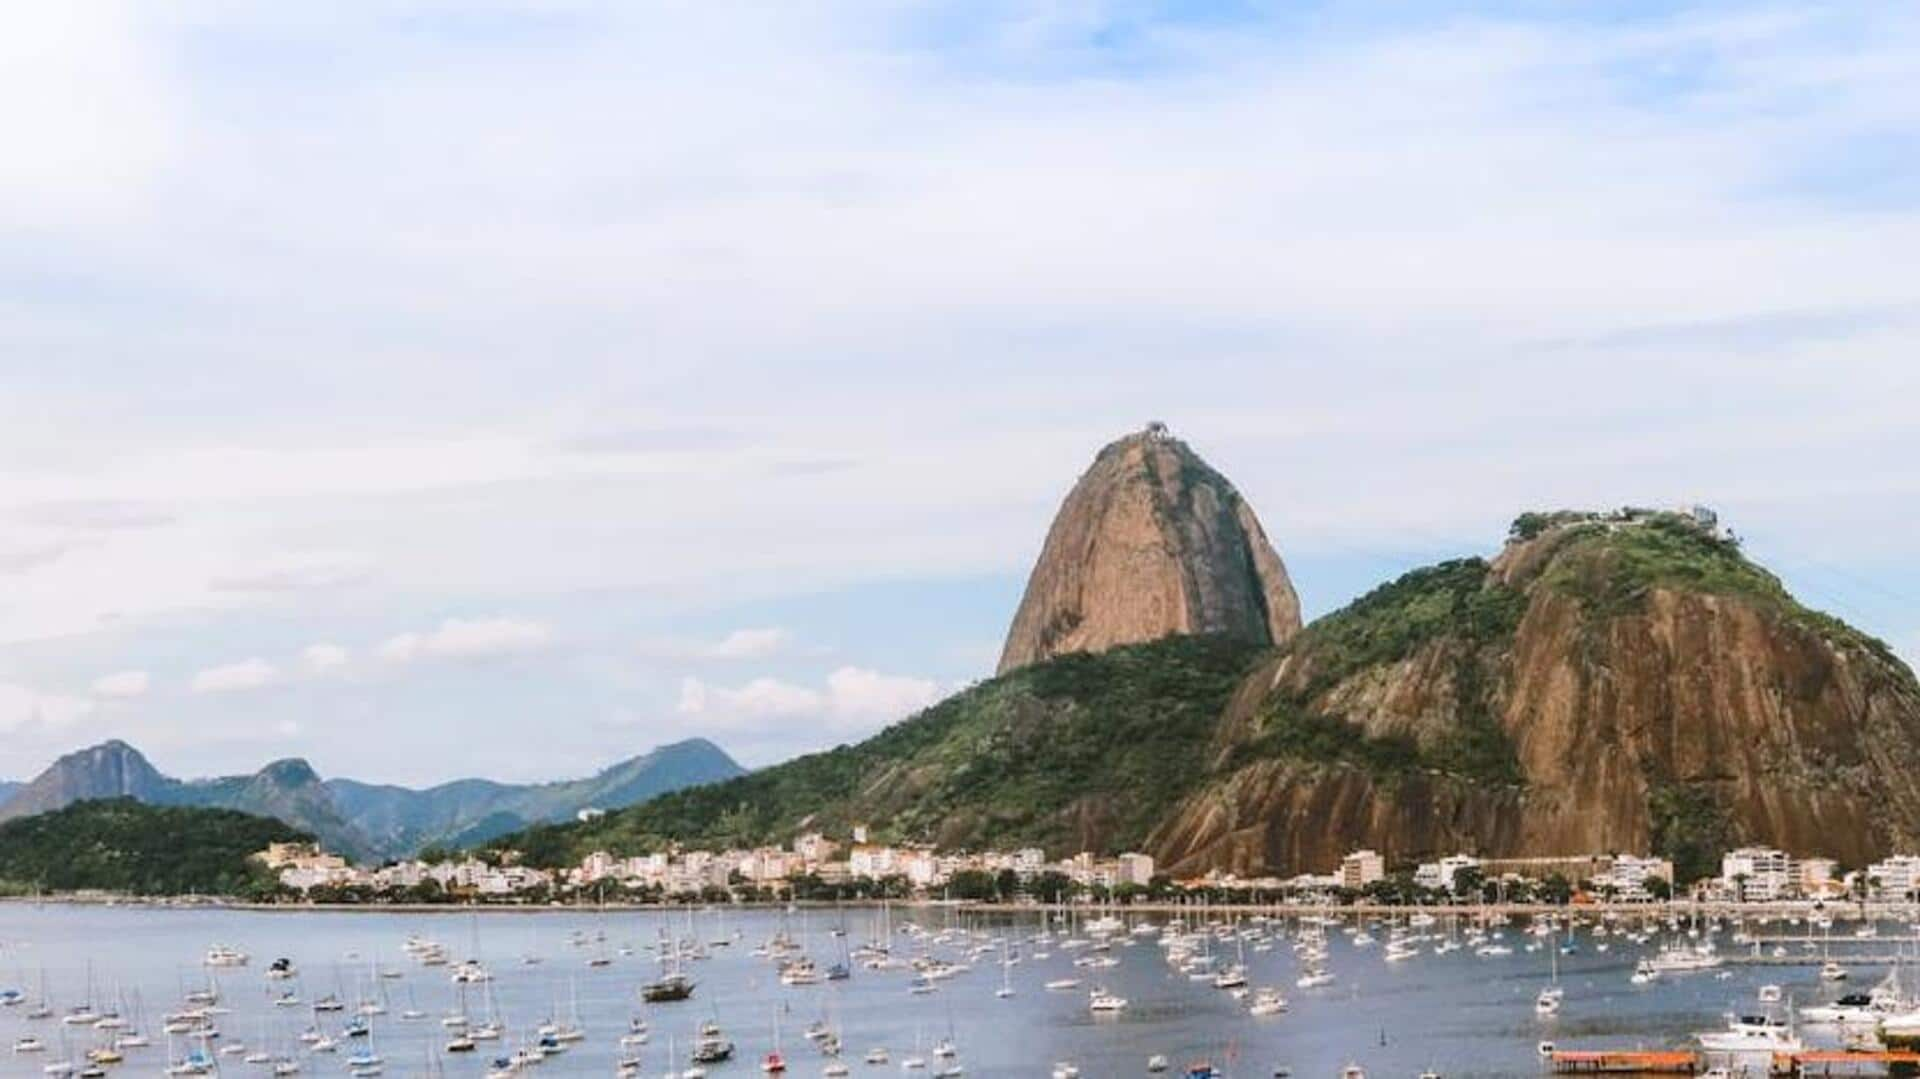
(1613, 569)
(120, 845)
(1084, 749)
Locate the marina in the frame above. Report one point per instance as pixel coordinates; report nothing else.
(927, 989)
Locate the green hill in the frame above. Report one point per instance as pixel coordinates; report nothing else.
(121, 845)
(1080, 752)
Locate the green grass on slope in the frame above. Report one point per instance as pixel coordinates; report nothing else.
(1120, 736)
(1613, 571)
(1453, 602)
(121, 845)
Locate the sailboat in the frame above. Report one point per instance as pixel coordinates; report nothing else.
(1548, 1001)
(774, 1063)
(1006, 971)
(366, 1060)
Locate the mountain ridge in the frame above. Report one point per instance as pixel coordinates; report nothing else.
(367, 821)
(1627, 681)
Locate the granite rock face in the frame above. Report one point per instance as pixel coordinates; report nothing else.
(1150, 543)
(1590, 690)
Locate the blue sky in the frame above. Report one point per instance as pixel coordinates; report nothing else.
(433, 389)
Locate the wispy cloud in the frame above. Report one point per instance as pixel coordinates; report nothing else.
(322, 658)
(233, 677)
(298, 573)
(852, 700)
(749, 644)
(22, 706)
(122, 685)
(461, 638)
(98, 515)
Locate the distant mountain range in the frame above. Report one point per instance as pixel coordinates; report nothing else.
(362, 820)
(7, 789)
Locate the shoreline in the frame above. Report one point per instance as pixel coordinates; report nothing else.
(1840, 911)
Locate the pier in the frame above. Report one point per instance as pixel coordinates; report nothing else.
(1811, 960)
(1688, 1062)
(1625, 1062)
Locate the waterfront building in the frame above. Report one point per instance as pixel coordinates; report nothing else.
(1759, 874)
(1361, 868)
(1897, 877)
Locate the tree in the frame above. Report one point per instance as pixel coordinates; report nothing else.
(1468, 880)
(1005, 884)
(1054, 886)
(972, 884)
(1556, 889)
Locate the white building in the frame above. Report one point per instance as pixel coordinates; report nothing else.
(1441, 874)
(1896, 877)
(1759, 874)
(1629, 874)
(1361, 868)
(1136, 869)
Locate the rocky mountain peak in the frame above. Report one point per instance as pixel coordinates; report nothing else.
(1150, 543)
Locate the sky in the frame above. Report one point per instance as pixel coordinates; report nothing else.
(490, 388)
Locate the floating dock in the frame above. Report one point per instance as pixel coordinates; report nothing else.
(1625, 1062)
(1810, 959)
(1843, 1062)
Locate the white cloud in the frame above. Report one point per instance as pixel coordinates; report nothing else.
(295, 573)
(859, 693)
(98, 515)
(21, 706)
(853, 699)
(247, 674)
(20, 556)
(1240, 226)
(750, 644)
(322, 658)
(459, 638)
(122, 685)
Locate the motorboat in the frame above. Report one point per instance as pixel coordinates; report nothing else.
(221, 955)
(1267, 1002)
(1751, 1034)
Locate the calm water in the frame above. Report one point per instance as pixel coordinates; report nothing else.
(1457, 1013)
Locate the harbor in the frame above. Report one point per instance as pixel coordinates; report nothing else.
(863, 990)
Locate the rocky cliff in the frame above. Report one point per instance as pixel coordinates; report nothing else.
(1150, 543)
(1622, 682)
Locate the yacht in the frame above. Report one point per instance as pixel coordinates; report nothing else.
(1750, 1034)
(1267, 1002)
(1102, 1001)
(222, 956)
(670, 988)
(1677, 959)
(1314, 978)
